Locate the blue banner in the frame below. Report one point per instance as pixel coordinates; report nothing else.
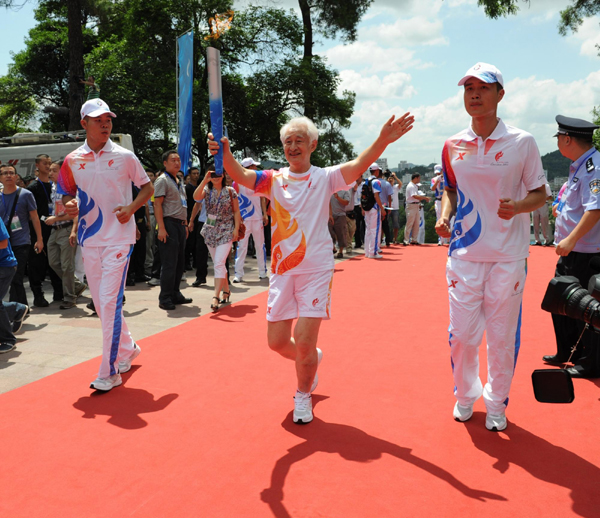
(186, 87)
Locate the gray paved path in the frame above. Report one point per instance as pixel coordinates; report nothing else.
(52, 339)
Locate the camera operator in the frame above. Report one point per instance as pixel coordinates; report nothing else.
(578, 239)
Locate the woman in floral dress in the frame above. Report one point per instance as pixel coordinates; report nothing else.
(220, 230)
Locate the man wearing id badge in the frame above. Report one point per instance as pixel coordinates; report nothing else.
(38, 263)
(577, 238)
(170, 211)
(18, 207)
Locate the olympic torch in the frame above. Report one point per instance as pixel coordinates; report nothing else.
(218, 26)
(215, 99)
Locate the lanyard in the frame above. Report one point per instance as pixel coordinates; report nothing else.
(48, 196)
(6, 210)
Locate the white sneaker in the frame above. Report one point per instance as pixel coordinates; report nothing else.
(237, 279)
(462, 413)
(377, 256)
(316, 380)
(105, 384)
(125, 365)
(265, 276)
(302, 408)
(495, 423)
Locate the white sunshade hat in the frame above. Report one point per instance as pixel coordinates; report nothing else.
(484, 71)
(95, 108)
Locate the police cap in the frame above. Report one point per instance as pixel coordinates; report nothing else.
(575, 127)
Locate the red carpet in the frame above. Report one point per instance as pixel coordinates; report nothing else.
(202, 424)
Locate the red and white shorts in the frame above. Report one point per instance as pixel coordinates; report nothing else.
(303, 295)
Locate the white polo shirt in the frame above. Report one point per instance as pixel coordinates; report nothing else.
(300, 240)
(103, 182)
(506, 165)
(250, 208)
(412, 190)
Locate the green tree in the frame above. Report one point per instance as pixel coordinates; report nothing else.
(17, 106)
(570, 18)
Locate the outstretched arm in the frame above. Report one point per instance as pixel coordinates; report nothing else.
(391, 131)
(245, 177)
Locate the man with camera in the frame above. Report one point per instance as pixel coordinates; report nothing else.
(493, 179)
(577, 235)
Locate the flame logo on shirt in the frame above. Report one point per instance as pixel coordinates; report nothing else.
(467, 226)
(86, 206)
(285, 227)
(110, 163)
(499, 156)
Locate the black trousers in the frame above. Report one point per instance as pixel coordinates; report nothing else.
(172, 256)
(567, 330)
(201, 256)
(17, 289)
(359, 235)
(39, 267)
(138, 256)
(387, 231)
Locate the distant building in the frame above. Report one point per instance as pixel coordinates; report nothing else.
(382, 162)
(402, 166)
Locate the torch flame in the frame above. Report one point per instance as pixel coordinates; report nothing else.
(219, 25)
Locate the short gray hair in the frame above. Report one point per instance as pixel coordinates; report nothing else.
(300, 122)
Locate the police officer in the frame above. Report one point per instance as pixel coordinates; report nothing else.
(577, 236)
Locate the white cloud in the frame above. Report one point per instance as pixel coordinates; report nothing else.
(370, 57)
(418, 30)
(530, 104)
(369, 87)
(589, 37)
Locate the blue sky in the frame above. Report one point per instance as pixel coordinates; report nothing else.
(410, 55)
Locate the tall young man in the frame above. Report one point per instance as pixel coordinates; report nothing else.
(493, 179)
(301, 259)
(101, 173)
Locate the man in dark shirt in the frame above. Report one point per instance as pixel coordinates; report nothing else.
(38, 262)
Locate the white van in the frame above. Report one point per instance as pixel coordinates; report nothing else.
(21, 149)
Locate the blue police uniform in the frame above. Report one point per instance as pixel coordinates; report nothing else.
(581, 194)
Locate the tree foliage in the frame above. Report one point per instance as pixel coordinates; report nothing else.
(129, 46)
(571, 17)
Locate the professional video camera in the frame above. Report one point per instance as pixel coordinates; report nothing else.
(565, 296)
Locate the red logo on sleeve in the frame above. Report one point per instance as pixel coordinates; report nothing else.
(461, 156)
(82, 166)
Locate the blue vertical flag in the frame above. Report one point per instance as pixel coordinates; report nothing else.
(186, 86)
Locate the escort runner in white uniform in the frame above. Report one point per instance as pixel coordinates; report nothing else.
(374, 216)
(101, 172)
(255, 221)
(494, 179)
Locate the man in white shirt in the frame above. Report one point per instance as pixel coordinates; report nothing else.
(254, 214)
(301, 259)
(494, 179)
(375, 215)
(413, 203)
(394, 213)
(101, 173)
(541, 219)
(437, 187)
